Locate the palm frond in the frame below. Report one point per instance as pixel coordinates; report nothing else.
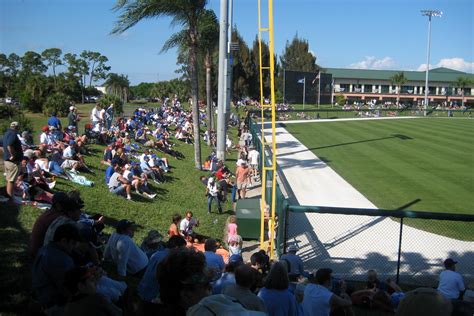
(175, 40)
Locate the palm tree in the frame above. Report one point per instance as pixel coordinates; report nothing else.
(398, 79)
(118, 85)
(182, 12)
(461, 83)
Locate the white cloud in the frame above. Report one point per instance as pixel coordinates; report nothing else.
(370, 62)
(455, 63)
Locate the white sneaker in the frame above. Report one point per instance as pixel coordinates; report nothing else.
(129, 198)
(152, 196)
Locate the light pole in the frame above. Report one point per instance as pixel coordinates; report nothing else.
(429, 14)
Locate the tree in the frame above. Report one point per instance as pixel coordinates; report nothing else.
(118, 85)
(96, 64)
(298, 57)
(182, 12)
(57, 102)
(398, 79)
(32, 63)
(77, 70)
(255, 87)
(243, 72)
(52, 56)
(461, 83)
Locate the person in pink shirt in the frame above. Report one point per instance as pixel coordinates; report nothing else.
(231, 228)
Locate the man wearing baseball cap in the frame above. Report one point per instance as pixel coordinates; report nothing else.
(451, 284)
(296, 264)
(12, 155)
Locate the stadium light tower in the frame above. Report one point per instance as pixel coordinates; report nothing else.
(429, 14)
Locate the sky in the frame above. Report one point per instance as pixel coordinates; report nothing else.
(366, 34)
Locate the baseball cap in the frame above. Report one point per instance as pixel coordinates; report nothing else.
(29, 153)
(25, 133)
(60, 197)
(14, 124)
(124, 224)
(236, 258)
(71, 142)
(292, 248)
(449, 262)
(71, 108)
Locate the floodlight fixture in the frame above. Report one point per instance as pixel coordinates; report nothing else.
(429, 14)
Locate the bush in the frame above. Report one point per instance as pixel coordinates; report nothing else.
(58, 102)
(10, 114)
(108, 99)
(340, 100)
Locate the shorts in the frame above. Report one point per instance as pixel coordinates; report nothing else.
(120, 190)
(12, 170)
(68, 163)
(242, 185)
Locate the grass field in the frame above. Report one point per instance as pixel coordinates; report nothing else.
(182, 191)
(393, 162)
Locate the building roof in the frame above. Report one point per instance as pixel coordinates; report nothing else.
(436, 75)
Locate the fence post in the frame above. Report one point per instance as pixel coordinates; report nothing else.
(399, 250)
(286, 211)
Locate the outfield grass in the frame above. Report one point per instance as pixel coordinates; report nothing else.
(182, 191)
(393, 162)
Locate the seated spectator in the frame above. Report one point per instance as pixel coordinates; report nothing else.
(111, 169)
(149, 288)
(174, 227)
(118, 185)
(123, 252)
(61, 203)
(214, 261)
(295, 262)
(187, 225)
(152, 242)
(51, 264)
(451, 285)
(319, 300)
(278, 300)
(108, 154)
(424, 301)
(228, 277)
(373, 281)
(81, 283)
(183, 281)
(244, 278)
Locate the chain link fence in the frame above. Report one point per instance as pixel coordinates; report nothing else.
(404, 245)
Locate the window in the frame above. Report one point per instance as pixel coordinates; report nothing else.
(385, 88)
(368, 88)
(344, 87)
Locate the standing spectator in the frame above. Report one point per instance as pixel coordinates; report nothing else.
(243, 178)
(187, 225)
(123, 252)
(72, 117)
(50, 266)
(278, 300)
(214, 261)
(244, 278)
(12, 155)
(212, 193)
(109, 116)
(231, 228)
(319, 300)
(253, 157)
(296, 264)
(54, 121)
(95, 116)
(451, 284)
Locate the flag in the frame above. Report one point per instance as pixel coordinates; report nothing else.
(316, 78)
(302, 80)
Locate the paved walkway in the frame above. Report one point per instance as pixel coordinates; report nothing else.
(351, 244)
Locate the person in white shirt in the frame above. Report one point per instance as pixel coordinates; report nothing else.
(124, 253)
(187, 224)
(95, 115)
(253, 158)
(319, 300)
(212, 193)
(451, 285)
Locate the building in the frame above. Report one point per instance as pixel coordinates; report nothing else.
(376, 85)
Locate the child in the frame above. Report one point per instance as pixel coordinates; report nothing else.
(231, 228)
(235, 245)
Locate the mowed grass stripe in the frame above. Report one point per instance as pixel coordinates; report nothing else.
(435, 167)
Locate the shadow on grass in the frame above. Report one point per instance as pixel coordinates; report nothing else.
(15, 276)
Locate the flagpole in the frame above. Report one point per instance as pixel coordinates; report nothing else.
(304, 91)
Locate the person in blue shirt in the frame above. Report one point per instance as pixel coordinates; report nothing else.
(149, 288)
(295, 262)
(278, 300)
(213, 260)
(111, 169)
(54, 121)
